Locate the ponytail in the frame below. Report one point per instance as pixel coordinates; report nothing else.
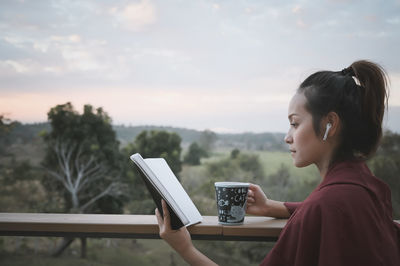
(358, 94)
(373, 80)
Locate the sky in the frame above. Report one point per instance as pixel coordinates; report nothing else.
(227, 66)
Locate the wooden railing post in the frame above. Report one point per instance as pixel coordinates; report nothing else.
(83, 247)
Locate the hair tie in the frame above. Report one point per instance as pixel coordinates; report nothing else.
(348, 71)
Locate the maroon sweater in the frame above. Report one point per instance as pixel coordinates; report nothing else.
(346, 220)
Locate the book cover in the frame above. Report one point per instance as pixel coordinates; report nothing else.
(162, 183)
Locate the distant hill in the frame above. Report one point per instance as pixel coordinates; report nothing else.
(246, 141)
(253, 141)
(128, 134)
(24, 133)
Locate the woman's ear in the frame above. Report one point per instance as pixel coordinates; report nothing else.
(331, 124)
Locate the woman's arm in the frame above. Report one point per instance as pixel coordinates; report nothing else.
(259, 204)
(180, 240)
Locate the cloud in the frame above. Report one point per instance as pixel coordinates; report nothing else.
(78, 54)
(162, 52)
(393, 20)
(80, 58)
(300, 23)
(19, 67)
(53, 41)
(136, 16)
(237, 58)
(19, 42)
(25, 67)
(74, 38)
(57, 54)
(296, 9)
(216, 6)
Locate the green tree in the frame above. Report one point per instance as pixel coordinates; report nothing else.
(159, 144)
(194, 154)
(83, 162)
(282, 186)
(83, 159)
(243, 168)
(281, 178)
(235, 153)
(153, 144)
(18, 178)
(386, 166)
(207, 140)
(6, 125)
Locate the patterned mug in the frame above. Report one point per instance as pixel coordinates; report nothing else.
(231, 202)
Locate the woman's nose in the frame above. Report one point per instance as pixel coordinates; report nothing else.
(288, 138)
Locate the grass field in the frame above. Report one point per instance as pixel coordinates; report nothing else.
(121, 252)
(271, 161)
(99, 252)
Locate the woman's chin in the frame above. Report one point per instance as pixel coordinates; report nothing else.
(300, 164)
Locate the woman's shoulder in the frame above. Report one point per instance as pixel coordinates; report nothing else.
(337, 198)
(338, 192)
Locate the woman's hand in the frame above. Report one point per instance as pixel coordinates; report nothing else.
(257, 201)
(259, 204)
(180, 239)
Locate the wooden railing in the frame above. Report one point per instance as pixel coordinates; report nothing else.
(132, 226)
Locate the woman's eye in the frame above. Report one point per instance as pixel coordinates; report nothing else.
(293, 125)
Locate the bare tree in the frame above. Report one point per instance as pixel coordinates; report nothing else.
(78, 173)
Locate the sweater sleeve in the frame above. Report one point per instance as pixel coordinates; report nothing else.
(292, 206)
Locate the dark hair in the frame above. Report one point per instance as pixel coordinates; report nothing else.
(358, 94)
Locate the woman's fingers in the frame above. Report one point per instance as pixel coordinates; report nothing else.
(250, 196)
(163, 220)
(159, 218)
(250, 193)
(167, 219)
(253, 186)
(165, 208)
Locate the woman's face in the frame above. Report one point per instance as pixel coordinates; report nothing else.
(305, 147)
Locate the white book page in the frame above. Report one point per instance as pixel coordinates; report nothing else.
(168, 179)
(152, 177)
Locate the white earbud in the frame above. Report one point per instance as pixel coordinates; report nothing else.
(328, 127)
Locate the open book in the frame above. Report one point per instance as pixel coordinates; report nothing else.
(162, 183)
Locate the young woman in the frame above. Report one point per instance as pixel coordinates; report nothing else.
(335, 123)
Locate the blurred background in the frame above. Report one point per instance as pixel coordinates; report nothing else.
(203, 84)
